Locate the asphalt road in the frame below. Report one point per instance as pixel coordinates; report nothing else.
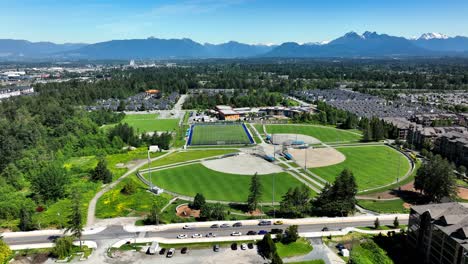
(117, 232)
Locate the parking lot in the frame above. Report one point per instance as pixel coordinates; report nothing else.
(225, 254)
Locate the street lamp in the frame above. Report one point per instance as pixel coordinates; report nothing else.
(151, 149)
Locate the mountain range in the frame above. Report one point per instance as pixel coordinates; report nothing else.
(350, 45)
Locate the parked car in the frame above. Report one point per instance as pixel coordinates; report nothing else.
(234, 246)
(182, 236)
(210, 235)
(187, 227)
(264, 223)
(278, 222)
(235, 233)
(170, 253)
(340, 246)
(238, 224)
(197, 236)
(216, 248)
(214, 226)
(251, 233)
(276, 231)
(325, 229)
(250, 245)
(162, 251)
(262, 232)
(224, 226)
(244, 246)
(184, 250)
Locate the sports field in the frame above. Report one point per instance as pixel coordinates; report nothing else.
(219, 134)
(196, 178)
(322, 133)
(372, 166)
(149, 123)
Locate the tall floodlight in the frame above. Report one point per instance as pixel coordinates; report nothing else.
(151, 149)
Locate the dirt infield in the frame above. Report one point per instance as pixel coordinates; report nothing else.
(318, 157)
(184, 211)
(244, 164)
(287, 139)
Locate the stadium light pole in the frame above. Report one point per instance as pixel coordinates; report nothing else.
(151, 149)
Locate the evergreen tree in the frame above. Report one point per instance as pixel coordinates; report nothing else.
(153, 217)
(75, 220)
(377, 223)
(266, 247)
(276, 259)
(396, 223)
(436, 179)
(255, 193)
(291, 234)
(198, 201)
(26, 219)
(50, 182)
(101, 172)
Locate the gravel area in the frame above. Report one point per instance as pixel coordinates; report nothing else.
(244, 164)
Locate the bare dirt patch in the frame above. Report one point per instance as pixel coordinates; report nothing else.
(317, 157)
(287, 139)
(462, 193)
(184, 211)
(244, 164)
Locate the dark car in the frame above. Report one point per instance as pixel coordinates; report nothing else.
(234, 246)
(250, 245)
(340, 246)
(264, 223)
(215, 226)
(224, 226)
(162, 251)
(216, 248)
(251, 233)
(238, 224)
(262, 232)
(184, 250)
(276, 231)
(325, 229)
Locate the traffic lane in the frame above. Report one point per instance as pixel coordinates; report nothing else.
(172, 233)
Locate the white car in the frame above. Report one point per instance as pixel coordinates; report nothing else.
(197, 236)
(182, 236)
(244, 246)
(236, 233)
(187, 227)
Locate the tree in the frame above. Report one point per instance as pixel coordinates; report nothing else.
(63, 247)
(295, 202)
(75, 220)
(291, 235)
(198, 201)
(50, 182)
(26, 219)
(462, 170)
(338, 199)
(13, 176)
(153, 217)
(101, 172)
(212, 212)
(276, 259)
(436, 179)
(255, 193)
(5, 251)
(129, 188)
(396, 223)
(377, 223)
(266, 247)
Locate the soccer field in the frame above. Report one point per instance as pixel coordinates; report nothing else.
(219, 134)
(149, 123)
(322, 133)
(196, 178)
(372, 166)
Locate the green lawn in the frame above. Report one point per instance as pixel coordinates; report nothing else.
(196, 178)
(300, 247)
(384, 207)
(322, 133)
(221, 134)
(188, 155)
(373, 166)
(148, 123)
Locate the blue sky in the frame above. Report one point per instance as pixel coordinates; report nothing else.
(250, 21)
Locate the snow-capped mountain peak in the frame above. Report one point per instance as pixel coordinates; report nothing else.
(433, 35)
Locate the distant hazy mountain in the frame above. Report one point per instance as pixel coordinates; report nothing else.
(24, 48)
(165, 49)
(353, 45)
(369, 44)
(441, 42)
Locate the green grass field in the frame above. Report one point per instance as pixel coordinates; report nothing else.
(196, 178)
(384, 207)
(372, 166)
(301, 247)
(228, 134)
(189, 155)
(322, 133)
(148, 123)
